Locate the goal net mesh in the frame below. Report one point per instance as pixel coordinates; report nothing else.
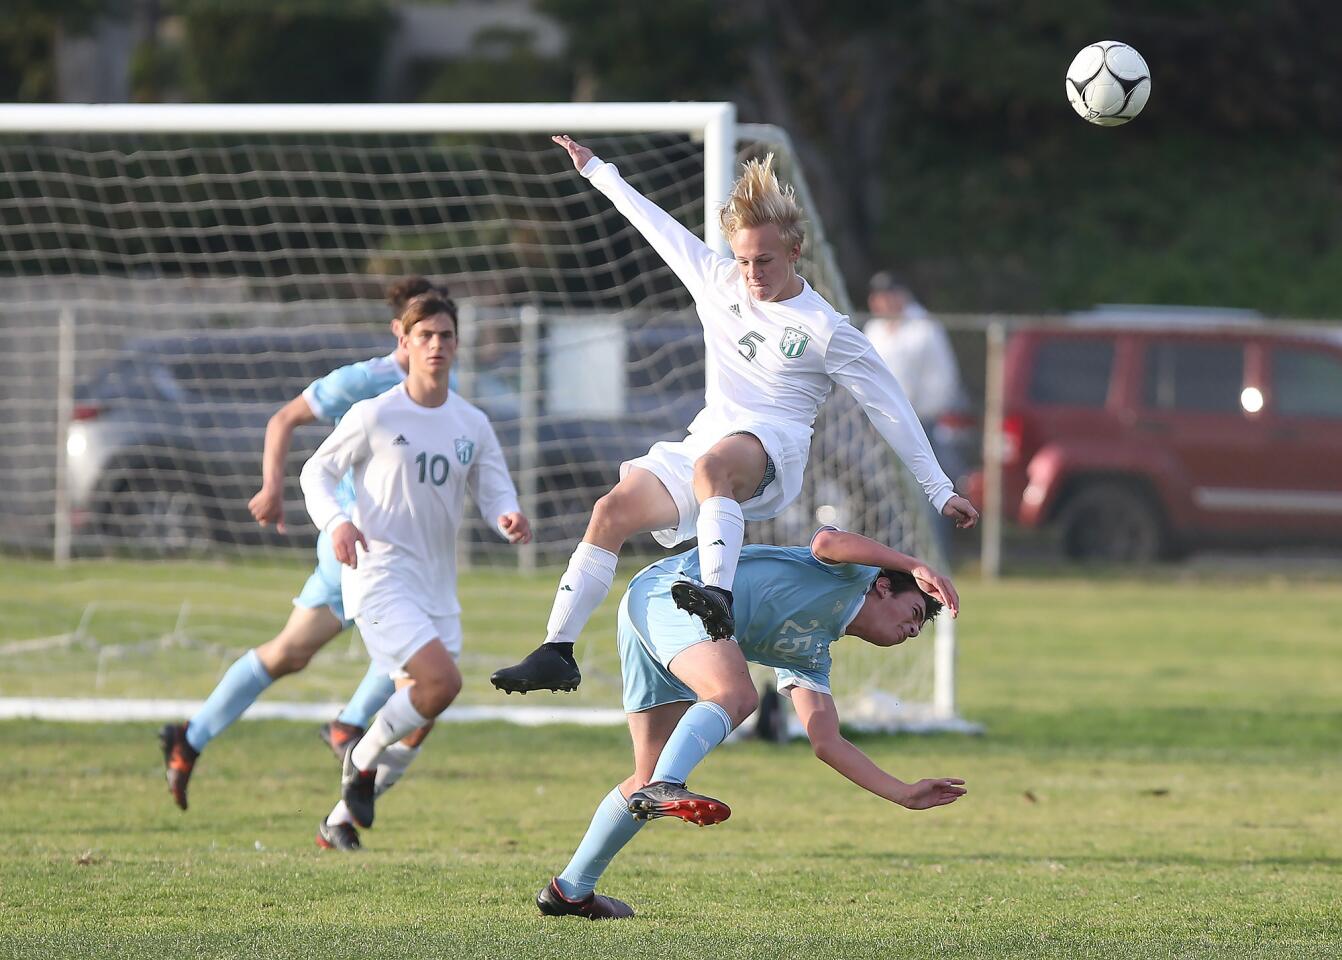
(162, 295)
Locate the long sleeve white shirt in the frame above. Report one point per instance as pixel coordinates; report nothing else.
(413, 469)
(774, 361)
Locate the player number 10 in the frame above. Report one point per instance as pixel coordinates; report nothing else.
(436, 468)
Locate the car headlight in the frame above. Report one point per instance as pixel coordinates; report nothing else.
(76, 444)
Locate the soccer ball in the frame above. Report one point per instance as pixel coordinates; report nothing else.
(1108, 83)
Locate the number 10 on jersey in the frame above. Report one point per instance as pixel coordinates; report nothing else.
(435, 468)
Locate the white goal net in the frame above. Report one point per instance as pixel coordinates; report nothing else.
(169, 276)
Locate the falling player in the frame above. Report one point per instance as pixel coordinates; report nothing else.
(684, 692)
(774, 347)
(415, 452)
(318, 614)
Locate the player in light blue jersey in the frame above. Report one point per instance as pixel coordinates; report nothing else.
(685, 692)
(318, 615)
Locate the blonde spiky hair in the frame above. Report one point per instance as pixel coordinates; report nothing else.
(757, 198)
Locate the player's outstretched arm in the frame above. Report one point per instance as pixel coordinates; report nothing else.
(852, 362)
(840, 546)
(693, 261)
(267, 506)
(821, 721)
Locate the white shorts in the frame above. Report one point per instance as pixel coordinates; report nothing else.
(672, 462)
(394, 629)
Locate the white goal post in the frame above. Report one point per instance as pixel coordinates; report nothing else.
(215, 256)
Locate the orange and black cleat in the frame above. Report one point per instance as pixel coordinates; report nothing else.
(662, 798)
(342, 836)
(338, 736)
(179, 759)
(553, 903)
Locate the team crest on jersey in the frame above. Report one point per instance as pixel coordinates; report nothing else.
(794, 342)
(465, 450)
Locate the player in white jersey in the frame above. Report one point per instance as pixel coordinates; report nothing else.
(416, 452)
(318, 615)
(684, 692)
(773, 349)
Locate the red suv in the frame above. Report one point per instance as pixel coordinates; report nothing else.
(1139, 442)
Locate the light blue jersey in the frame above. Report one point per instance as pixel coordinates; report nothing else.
(789, 608)
(330, 398)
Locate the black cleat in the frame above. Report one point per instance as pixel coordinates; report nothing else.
(713, 605)
(661, 798)
(357, 789)
(545, 668)
(593, 906)
(342, 836)
(179, 759)
(338, 736)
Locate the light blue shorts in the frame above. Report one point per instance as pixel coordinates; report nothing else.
(323, 587)
(651, 631)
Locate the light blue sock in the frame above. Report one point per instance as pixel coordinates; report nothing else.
(237, 691)
(612, 827)
(368, 699)
(704, 726)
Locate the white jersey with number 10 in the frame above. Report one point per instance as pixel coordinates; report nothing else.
(413, 467)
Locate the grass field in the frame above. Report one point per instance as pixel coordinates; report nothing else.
(1159, 778)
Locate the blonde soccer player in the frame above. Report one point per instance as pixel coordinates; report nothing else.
(416, 452)
(774, 348)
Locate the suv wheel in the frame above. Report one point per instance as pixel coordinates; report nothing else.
(1111, 522)
(146, 514)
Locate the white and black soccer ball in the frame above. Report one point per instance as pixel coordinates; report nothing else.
(1108, 83)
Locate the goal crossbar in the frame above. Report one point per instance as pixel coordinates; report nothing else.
(714, 122)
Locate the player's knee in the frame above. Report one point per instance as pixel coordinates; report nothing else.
(282, 656)
(739, 702)
(610, 517)
(712, 469)
(438, 692)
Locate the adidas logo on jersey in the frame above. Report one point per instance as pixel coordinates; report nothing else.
(717, 543)
(400, 441)
(735, 308)
(566, 587)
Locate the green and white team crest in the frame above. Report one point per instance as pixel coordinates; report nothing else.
(465, 450)
(794, 342)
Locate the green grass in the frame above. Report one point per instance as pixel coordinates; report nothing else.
(1159, 778)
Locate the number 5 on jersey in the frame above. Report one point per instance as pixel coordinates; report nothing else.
(750, 341)
(435, 468)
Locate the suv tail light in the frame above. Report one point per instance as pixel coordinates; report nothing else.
(1013, 438)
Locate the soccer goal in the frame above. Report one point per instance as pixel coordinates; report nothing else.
(173, 273)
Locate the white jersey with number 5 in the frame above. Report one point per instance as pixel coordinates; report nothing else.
(774, 361)
(413, 468)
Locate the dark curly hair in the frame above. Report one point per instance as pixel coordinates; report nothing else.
(901, 582)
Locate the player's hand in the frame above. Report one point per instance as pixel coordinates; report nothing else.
(267, 507)
(515, 527)
(933, 793)
(576, 151)
(931, 582)
(961, 511)
(343, 540)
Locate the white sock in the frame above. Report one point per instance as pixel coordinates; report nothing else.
(397, 717)
(721, 528)
(581, 589)
(339, 815)
(396, 759)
